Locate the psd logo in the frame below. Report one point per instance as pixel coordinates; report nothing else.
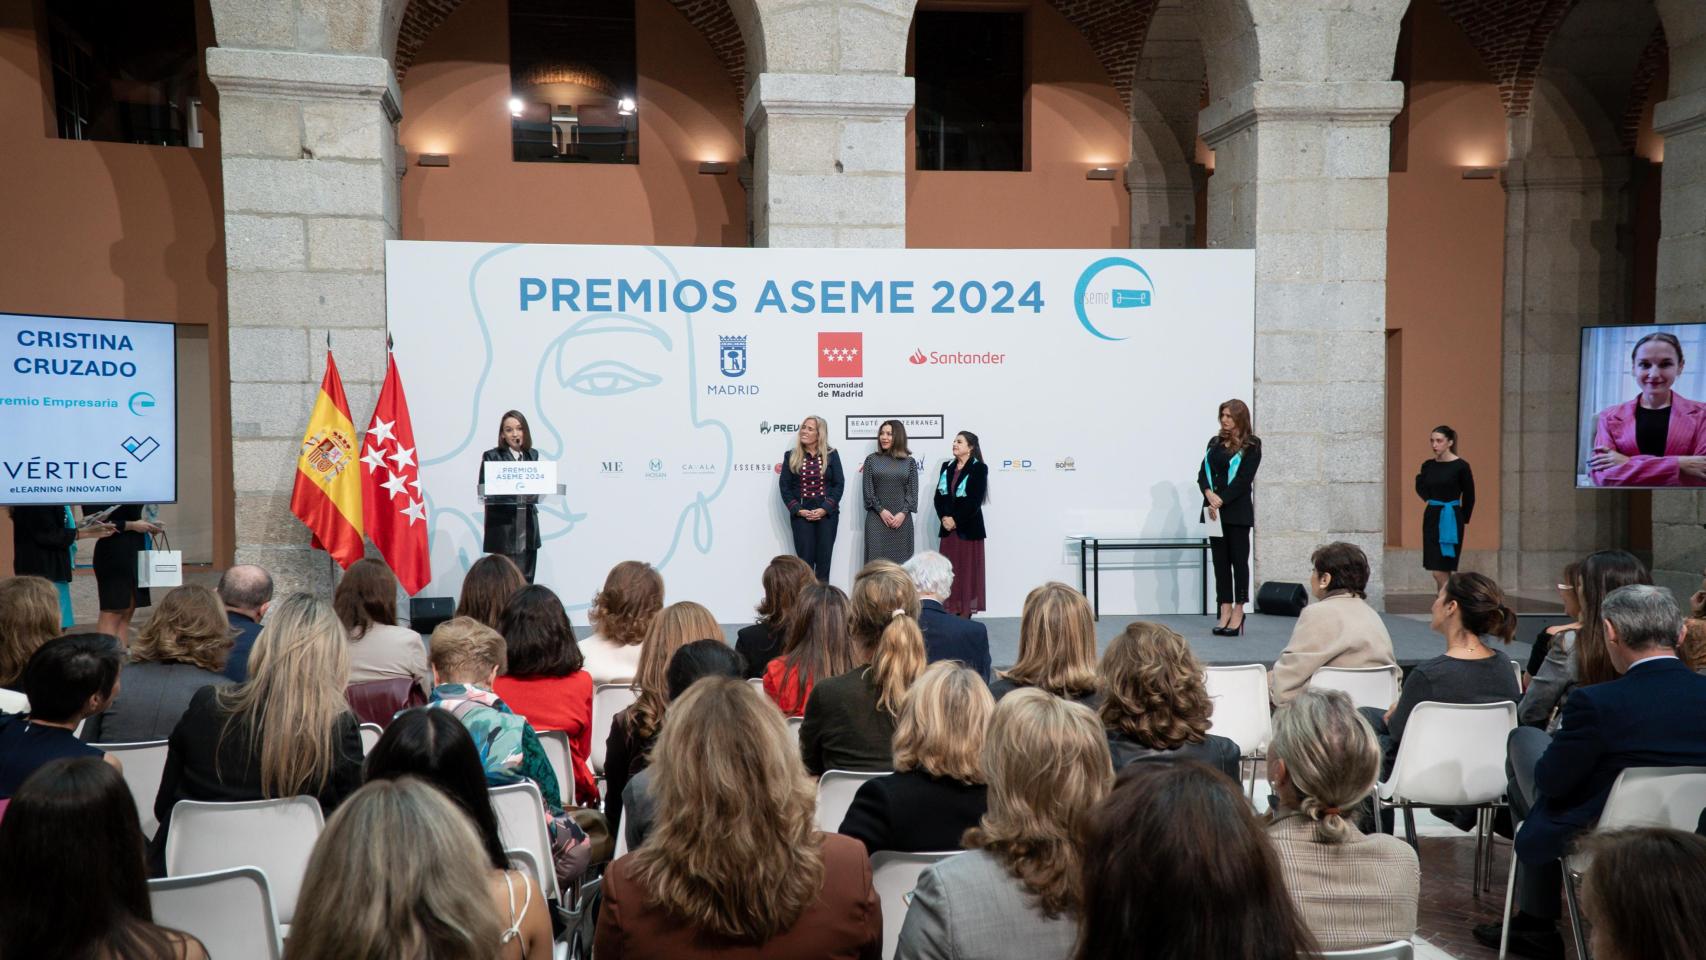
(1107, 290)
(732, 356)
(840, 354)
(1023, 466)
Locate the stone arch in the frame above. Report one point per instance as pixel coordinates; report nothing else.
(1165, 96)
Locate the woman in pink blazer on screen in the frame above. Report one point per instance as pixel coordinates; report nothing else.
(1657, 439)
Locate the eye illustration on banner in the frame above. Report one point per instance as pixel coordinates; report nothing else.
(1103, 297)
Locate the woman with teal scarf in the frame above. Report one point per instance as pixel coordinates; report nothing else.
(1226, 479)
(961, 487)
(1447, 486)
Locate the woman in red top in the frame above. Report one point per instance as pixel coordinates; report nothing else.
(818, 646)
(544, 681)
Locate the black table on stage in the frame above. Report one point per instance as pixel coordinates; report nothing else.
(1090, 547)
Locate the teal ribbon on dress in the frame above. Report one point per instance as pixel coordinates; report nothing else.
(67, 617)
(960, 490)
(1449, 537)
(1231, 470)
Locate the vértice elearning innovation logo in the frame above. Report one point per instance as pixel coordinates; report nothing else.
(1108, 294)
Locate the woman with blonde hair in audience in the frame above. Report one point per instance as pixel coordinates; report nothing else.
(1057, 647)
(621, 618)
(1017, 893)
(849, 720)
(400, 872)
(380, 651)
(764, 882)
(181, 649)
(634, 729)
(1177, 868)
(1640, 896)
(1352, 889)
(29, 617)
(487, 587)
(937, 791)
(285, 731)
(1157, 702)
(784, 579)
(818, 646)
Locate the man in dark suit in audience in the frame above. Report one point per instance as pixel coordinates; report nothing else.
(246, 591)
(1653, 715)
(946, 637)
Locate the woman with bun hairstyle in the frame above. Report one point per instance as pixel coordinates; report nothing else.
(961, 487)
(1226, 479)
(1447, 486)
(1657, 439)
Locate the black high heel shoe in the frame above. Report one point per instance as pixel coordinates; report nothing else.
(1237, 631)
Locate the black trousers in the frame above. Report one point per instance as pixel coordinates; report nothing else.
(525, 562)
(814, 541)
(1231, 564)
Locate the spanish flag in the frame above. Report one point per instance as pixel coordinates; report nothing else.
(327, 495)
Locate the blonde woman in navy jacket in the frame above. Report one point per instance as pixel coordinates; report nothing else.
(961, 487)
(811, 482)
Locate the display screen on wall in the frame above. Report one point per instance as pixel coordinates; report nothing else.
(1641, 421)
(88, 411)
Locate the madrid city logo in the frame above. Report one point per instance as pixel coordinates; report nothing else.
(1108, 287)
(731, 362)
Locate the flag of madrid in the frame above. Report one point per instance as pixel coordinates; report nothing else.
(393, 507)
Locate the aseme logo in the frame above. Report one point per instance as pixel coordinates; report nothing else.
(1102, 300)
(840, 354)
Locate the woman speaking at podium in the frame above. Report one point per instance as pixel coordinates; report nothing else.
(512, 523)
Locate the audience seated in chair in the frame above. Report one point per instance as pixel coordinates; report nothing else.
(544, 680)
(487, 588)
(763, 882)
(1641, 895)
(762, 642)
(67, 679)
(285, 731)
(1652, 715)
(1178, 868)
(1340, 629)
(946, 636)
(634, 729)
(246, 591)
(816, 646)
(400, 871)
(701, 658)
(182, 648)
(937, 791)
(850, 719)
(1157, 703)
(29, 617)
(1018, 892)
(432, 745)
(621, 617)
(388, 668)
(1057, 647)
(1352, 889)
(72, 875)
(1598, 575)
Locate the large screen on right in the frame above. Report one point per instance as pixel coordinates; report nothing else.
(1642, 407)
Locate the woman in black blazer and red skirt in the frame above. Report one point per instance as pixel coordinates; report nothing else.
(961, 488)
(1227, 473)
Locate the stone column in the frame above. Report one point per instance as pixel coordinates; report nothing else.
(1563, 271)
(311, 165)
(829, 159)
(1300, 176)
(1679, 540)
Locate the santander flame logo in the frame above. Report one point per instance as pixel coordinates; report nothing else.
(918, 358)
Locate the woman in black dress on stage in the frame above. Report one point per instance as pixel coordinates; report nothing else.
(1225, 478)
(1448, 488)
(512, 523)
(115, 568)
(961, 487)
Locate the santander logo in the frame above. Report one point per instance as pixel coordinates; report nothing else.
(937, 358)
(918, 357)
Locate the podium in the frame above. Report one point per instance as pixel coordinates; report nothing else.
(517, 482)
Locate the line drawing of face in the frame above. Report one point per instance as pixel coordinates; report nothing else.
(1656, 369)
(608, 383)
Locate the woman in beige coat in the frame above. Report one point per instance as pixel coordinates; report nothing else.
(1339, 630)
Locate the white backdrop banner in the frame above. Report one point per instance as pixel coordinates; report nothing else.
(667, 383)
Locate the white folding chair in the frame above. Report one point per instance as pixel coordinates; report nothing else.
(521, 826)
(621, 842)
(835, 790)
(11, 701)
(757, 683)
(1452, 755)
(1241, 711)
(370, 734)
(274, 835)
(1366, 686)
(608, 699)
(894, 875)
(556, 744)
(229, 911)
(1396, 950)
(144, 763)
(794, 728)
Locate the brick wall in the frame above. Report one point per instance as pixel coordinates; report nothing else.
(1115, 31)
(1511, 36)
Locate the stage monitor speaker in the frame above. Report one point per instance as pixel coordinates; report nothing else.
(426, 613)
(1281, 598)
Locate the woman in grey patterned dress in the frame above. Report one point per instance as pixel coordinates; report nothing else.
(891, 496)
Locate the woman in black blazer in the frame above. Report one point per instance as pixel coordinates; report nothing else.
(1227, 473)
(961, 487)
(512, 523)
(812, 483)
